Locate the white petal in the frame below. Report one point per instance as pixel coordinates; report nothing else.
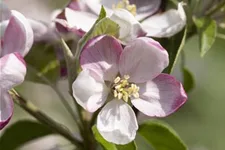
(146, 7)
(130, 28)
(4, 11)
(95, 6)
(166, 24)
(89, 90)
(6, 108)
(12, 71)
(79, 20)
(117, 122)
(39, 29)
(160, 97)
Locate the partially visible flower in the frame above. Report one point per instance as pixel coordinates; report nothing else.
(135, 19)
(125, 77)
(130, 28)
(39, 15)
(16, 41)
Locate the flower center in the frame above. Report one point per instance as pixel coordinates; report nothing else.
(125, 4)
(122, 89)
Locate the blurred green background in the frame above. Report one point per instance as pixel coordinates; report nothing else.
(200, 122)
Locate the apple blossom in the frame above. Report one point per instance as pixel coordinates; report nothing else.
(130, 28)
(122, 78)
(16, 41)
(135, 19)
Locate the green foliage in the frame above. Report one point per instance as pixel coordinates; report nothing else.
(110, 146)
(161, 136)
(105, 26)
(42, 64)
(21, 132)
(174, 46)
(102, 26)
(188, 80)
(207, 29)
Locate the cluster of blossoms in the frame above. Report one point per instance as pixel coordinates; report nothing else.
(140, 18)
(16, 41)
(117, 74)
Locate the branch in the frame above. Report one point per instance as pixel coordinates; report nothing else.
(43, 118)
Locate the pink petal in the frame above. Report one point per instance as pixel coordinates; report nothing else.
(76, 5)
(143, 59)
(18, 36)
(89, 90)
(12, 70)
(6, 108)
(101, 55)
(160, 97)
(117, 122)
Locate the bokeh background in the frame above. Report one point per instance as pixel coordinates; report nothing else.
(200, 122)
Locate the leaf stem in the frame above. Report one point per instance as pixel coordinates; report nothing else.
(60, 95)
(43, 118)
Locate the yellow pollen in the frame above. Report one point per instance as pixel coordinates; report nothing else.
(124, 90)
(125, 4)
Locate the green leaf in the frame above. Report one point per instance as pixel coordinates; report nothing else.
(110, 146)
(161, 136)
(105, 144)
(207, 29)
(174, 46)
(129, 146)
(102, 26)
(42, 63)
(21, 132)
(188, 80)
(105, 26)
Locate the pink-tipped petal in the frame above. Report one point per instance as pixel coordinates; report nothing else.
(160, 97)
(89, 90)
(12, 71)
(143, 59)
(76, 5)
(117, 122)
(18, 36)
(79, 20)
(101, 55)
(6, 108)
(166, 24)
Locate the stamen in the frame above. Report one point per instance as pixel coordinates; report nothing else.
(124, 90)
(117, 80)
(125, 4)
